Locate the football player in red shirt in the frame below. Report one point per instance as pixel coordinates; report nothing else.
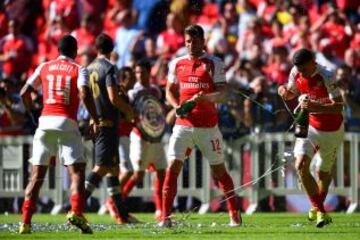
(200, 77)
(326, 128)
(63, 81)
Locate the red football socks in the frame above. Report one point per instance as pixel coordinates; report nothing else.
(169, 192)
(227, 186)
(129, 185)
(317, 203)
(322, 196)
(158, 185)
(28, 209)
(77, 203)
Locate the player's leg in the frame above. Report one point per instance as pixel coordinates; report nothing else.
(126, 170)
(114, 191)
(139, 150)
(100, 170)
(329, 143)
(159, 161)
(77, 199)
(180, 147)
(137, 176)
(304, 151)
(210, 143)
(44, 146)
(71, 152)
(32, 190)
(158, 186)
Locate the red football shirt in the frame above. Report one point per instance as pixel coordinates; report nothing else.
(60, 79)
(321, 88)
(192, 77)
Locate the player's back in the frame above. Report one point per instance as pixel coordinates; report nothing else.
(60, 88)
(103, 74)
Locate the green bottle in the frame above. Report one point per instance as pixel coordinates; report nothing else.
(302, 124)
(185, 108)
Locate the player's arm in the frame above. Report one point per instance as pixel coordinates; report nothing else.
(334, 106)
(171, 89)
(218, 96)
(88, 100)
(289, 91)
(115, 99)
(30, 85)
(171, 94)
(86, 95)
(285, 93)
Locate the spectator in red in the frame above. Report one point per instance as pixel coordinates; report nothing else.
(172, 39)
(278, 68)
(48, 45)
(113, 14)
(278, 39)
(16, 51)
(301, 37)
(66, 9)
(85, 36)
(267, 10)
(253, 38)
(3, 21)
(333, 38)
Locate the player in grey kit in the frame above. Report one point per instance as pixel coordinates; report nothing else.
(103, 81)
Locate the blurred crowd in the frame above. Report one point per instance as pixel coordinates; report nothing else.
(255, 39)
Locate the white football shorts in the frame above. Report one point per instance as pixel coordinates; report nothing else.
(208, 140)
(325, 144)
(144, 153)
(124, 152)
(67, 145)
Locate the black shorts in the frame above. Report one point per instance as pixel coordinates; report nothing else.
(106, 147)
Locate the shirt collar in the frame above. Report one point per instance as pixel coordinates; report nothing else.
(65, 57)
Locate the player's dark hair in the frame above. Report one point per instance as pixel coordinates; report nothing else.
(302, 56)
(104, 44)
(143, 63)
(67, 45)
(195, 31)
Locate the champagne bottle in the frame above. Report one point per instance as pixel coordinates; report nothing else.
(302, 124)
(185, 108)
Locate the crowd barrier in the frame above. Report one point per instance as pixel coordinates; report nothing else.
(266, 151)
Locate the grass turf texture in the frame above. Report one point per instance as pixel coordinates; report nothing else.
(278, 226)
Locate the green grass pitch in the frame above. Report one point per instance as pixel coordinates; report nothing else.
(289, 226)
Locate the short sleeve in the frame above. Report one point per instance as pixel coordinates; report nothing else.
(111, 77)
(171, 77)
(34, 79)
(83, 77)
(291, 86)
(330, 84)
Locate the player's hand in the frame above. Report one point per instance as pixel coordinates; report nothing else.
(197, 97)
